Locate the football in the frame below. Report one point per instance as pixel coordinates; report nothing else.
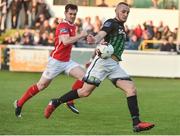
(105, 50)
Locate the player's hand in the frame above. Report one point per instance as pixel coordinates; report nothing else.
(90, 39)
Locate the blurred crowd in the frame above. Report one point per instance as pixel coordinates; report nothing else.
(148, 31)
(33, 11)
(43, 34)
(39, 27)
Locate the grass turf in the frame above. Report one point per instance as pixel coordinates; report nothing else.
(105, 112)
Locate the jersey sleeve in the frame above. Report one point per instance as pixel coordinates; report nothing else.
(107, 26)
(63, 28)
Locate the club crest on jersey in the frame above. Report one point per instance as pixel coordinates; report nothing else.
(107, 24)
(64, 30)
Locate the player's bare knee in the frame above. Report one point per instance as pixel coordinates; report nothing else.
(84, 93)
(41, 86)
(131, 91)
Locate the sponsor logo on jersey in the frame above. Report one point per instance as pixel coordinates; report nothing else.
(64, 30)
(121, 32)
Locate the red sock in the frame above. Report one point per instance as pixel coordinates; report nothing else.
(32, 90)
(78, 84)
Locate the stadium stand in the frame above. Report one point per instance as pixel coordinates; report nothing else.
(40, 28)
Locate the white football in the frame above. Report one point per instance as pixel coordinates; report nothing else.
(105, 50)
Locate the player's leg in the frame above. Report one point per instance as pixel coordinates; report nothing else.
(85, 91)
(78, 73)
(53, 68)
(29, 93)
(70, 104)
(92, 79)
(33, 90)
(123, 81)
(127, 85)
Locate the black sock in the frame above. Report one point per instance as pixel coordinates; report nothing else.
(133, 108)
(71, 95)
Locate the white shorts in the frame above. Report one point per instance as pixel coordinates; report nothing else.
(102, 68)
(55, 67)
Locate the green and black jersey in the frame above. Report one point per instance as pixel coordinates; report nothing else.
(116, 35)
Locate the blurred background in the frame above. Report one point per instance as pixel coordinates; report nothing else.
(27, 30)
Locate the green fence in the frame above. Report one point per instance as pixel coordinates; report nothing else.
(163, 4)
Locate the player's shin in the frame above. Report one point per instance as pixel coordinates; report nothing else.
(71, 95)
(31, 91)
(133, 108)
(77, 85)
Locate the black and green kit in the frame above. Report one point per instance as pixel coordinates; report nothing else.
(116, 35)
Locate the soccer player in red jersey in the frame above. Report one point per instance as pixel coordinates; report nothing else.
(59, 60)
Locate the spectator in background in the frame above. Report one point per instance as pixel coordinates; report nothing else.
(33, 13)
(148, 26)
(44, 39)
(157, 36)
(17, 37)
(36, 37)
(39, 22)
(138, 31)
(42, 8)
(27, 4)
(133, 43)
(51, 39)
(168, 45)
(15, 7)
(103, 4)
(145, 36)
(175, 33)
(160, 27)
(45, 27)
(27, 37)
(97, 25)
(148, 32)
(54, 24)
(87, 25)
(79, 25)
(3, 15)
(8, 40)
(26, 41)
(166, 32)
(155, 3)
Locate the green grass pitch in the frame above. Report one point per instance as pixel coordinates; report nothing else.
(105, 112)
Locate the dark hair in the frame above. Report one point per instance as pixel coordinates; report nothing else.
(71, 6)
(122, 3)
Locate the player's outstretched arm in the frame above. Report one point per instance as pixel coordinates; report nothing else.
(96, 39)
(66, 39)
